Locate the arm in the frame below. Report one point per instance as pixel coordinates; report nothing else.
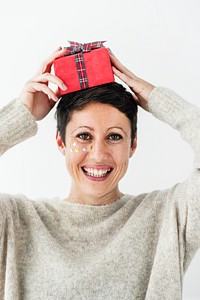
(181, 115)
(170, 108)
(16, 125)
(18, 118)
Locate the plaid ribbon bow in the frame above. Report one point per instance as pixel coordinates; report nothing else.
(78, 49)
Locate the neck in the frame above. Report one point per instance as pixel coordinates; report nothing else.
(101, 199)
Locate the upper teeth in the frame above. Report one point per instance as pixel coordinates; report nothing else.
(95, 172)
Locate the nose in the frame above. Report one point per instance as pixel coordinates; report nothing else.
(99, 152)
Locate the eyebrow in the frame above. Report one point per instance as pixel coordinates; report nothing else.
(116, 127)
(92, 129)
(84, 127)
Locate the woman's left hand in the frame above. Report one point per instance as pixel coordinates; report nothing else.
(36, 94)
(140, 87)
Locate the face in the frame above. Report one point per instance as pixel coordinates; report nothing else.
(97, 151)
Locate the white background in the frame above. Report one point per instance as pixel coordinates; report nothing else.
(158, 40)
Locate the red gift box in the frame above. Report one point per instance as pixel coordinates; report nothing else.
(84, 66)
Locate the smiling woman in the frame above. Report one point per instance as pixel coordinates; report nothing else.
(98, 243)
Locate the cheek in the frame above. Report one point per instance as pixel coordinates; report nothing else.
(121, 154)
(73, 159)
(76, 147)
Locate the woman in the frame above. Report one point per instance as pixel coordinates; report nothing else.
(99, 243)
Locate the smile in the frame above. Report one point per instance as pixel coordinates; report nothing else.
(97, 173)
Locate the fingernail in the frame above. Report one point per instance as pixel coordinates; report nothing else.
(64, 87)
(109, 50)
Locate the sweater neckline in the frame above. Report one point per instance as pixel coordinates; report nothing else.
(82, 214)
(96, 207)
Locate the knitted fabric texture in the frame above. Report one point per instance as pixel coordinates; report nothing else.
(135, 248)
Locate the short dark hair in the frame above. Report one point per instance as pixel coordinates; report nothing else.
(113, 94)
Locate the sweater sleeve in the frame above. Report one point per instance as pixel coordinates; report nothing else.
(16, 125)
(167, 106)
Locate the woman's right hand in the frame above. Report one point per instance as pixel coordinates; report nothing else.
(36, 94)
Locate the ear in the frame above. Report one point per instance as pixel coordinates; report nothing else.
(60, 144)
(133, 147)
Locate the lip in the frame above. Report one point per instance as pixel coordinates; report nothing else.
(97, 167)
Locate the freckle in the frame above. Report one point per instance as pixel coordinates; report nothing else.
(91, 147)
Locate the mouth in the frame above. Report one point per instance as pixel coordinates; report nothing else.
(96, 173)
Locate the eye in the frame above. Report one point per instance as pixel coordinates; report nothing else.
(83, 136)
(115, 137)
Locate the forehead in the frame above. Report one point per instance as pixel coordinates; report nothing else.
(99, 114)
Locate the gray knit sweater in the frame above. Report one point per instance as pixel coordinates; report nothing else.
(135, 248)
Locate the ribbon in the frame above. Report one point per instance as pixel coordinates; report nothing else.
(78, 49)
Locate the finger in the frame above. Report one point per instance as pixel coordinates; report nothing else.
(56, 54)
(116, 63)
(57, 93)
(39, 87)
(47, 77)
(47, 63)
(126, 80)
